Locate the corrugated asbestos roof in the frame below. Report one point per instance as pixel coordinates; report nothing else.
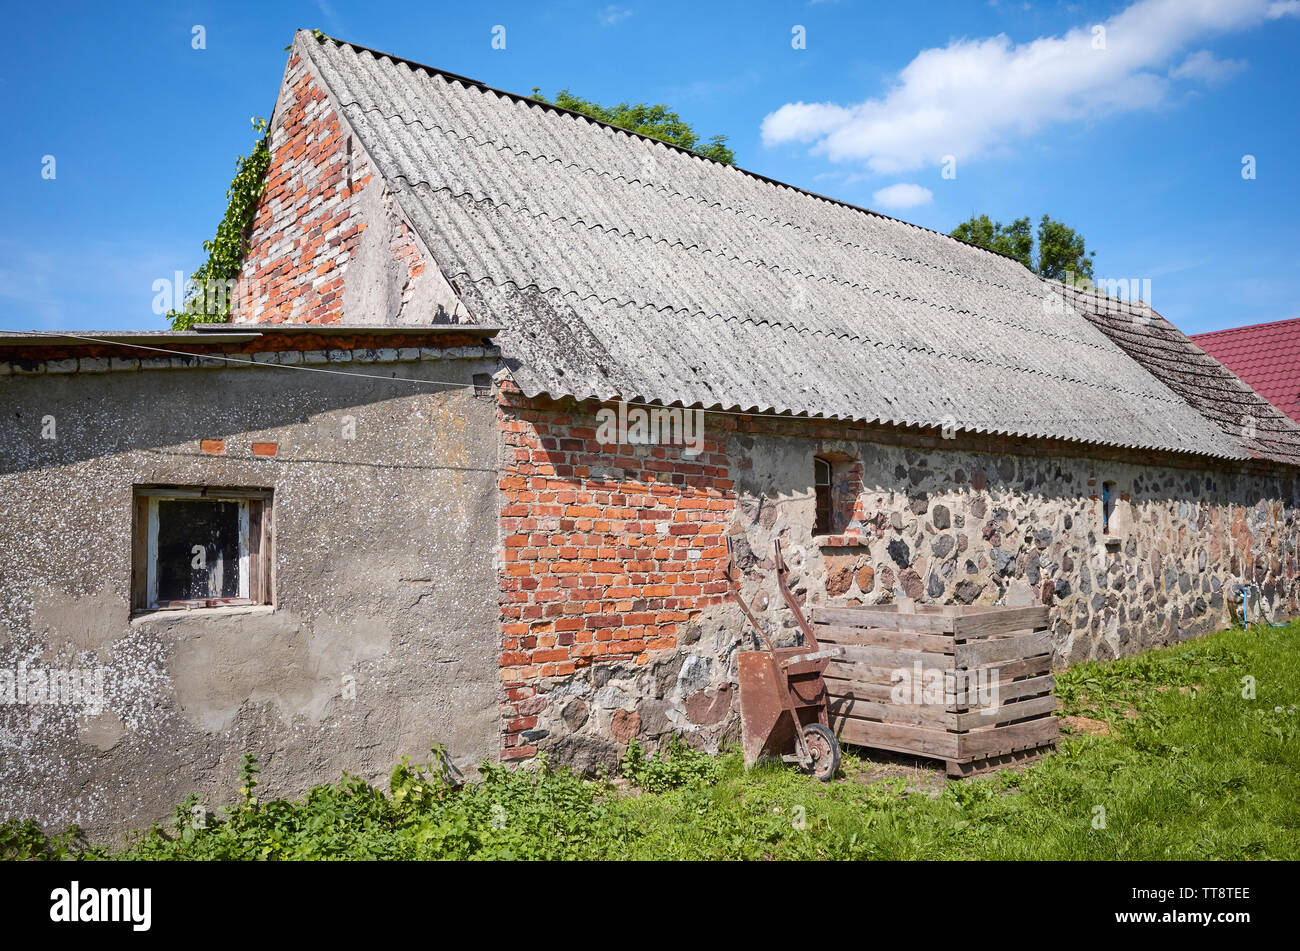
(621, 267)
(1267, 356)
(1206, 384)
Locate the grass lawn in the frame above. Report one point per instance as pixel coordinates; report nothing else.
(1162, 757)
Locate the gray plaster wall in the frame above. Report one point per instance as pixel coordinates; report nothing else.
(383, 637)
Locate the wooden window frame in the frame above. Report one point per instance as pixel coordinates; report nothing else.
(824, 496)
(255, 545)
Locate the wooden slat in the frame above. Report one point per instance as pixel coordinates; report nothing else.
(1007, 619)
(908, 606)
(884, 657)
(268, 552)
(900, 739)
(1007, 739)
(256, 575)
(876, 693)
(859, 674)
(190, 492)
(1026, 688)
(140, 554)
(908, 714)
(1004, 713)
(1028, 667)
(995, 650)
(870, 617)
(879, 637)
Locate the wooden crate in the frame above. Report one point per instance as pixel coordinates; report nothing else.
(978, 646)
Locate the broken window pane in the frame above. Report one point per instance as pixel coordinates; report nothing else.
(198, 550)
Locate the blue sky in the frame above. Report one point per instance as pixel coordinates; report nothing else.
(1137, 142)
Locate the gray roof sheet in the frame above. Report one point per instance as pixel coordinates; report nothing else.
(622, 267)
(1217, 393)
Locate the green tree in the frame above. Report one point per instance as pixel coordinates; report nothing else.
(1061, 249)
(1015, 240)
(656, 121)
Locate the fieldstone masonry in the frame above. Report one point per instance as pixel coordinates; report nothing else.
(616, 623)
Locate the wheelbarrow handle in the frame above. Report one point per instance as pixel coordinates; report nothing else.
(734, 582)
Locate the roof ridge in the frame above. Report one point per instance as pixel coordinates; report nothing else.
(1233, 330)
(319, 36)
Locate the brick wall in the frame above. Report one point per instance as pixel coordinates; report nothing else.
(329, 242)
(306, 227)
(608, 552)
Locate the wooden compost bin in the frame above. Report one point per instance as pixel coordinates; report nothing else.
(979, 646)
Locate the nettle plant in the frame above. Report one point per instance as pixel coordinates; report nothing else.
(227, 249)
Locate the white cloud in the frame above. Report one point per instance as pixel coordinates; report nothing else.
(902, 195)
(977, 95)
(612, 14)
(1203, 66)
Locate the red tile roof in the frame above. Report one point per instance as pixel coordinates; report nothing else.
(1267, 356)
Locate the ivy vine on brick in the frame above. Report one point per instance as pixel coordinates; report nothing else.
(210, 292)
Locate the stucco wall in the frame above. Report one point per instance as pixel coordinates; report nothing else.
(383, 550)
(968, 520)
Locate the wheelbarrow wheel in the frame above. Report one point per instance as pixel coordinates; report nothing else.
(825, 750)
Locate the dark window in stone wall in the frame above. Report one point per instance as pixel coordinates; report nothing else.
(825, 496)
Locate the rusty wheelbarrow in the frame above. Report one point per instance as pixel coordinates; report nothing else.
(782, 695)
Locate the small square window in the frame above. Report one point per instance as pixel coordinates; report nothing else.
(201, 547)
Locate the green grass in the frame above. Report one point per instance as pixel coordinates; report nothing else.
(1201, 772)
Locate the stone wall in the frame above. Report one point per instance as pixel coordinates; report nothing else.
(606, 638)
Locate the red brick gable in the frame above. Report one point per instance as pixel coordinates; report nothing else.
(327, 244)
(305, 228)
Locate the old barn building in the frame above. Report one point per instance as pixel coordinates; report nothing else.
(392, 504)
